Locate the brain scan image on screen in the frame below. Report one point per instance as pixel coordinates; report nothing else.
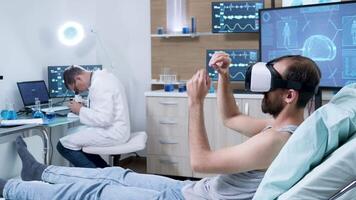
(325, 33)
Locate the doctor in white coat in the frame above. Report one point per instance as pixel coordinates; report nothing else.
(105, 118)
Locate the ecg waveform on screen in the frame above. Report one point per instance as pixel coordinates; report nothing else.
(237, 16)
(240, 61)
(226, 26)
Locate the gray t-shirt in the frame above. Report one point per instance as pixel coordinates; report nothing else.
(239, 186)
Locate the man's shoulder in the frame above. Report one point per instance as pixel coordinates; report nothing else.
(106, 78)
(274, 136)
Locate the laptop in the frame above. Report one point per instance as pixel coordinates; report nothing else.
(30, 90)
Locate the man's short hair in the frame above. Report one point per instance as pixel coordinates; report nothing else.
(70, 73)
(304, 70)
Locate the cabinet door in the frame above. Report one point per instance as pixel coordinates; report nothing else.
(167, 106)
(220, 136)
(225, 137)
(210, 116)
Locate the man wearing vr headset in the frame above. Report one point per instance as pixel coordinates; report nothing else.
(242, 166)
(288, 83)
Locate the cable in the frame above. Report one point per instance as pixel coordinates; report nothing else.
(97, 36)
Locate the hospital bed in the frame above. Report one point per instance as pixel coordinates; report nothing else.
(334, 178)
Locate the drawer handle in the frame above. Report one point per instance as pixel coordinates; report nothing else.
(170, 122)
(168, 162)
(169, 103)
(167, 142)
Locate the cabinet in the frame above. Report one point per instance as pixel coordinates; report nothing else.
(167, 128)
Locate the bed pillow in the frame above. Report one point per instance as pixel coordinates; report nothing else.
(319, 135)
(325, 180)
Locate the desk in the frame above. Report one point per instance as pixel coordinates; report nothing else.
(13, 132)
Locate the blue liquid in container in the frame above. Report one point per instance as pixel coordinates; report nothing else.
(50, 116)
(38, 114)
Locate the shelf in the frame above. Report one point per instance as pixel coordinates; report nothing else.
(192, 35)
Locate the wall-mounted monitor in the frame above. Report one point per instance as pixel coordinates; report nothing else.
(56, 86)
(325, 33)
(241, 59)
(235, 16)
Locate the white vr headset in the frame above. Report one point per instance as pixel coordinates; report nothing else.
(262, 77)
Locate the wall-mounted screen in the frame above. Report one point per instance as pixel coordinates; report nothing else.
(56, 86)
(235, 16)
(241, 59)
(325, 33)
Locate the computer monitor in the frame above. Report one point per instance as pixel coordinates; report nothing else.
(241, 59)
(56, 86)
(30, 90)
(235, 16)
(325, 33)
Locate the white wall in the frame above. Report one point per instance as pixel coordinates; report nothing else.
(123, 26)
(29, 44)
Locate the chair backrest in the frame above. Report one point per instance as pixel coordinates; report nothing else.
(10, 162)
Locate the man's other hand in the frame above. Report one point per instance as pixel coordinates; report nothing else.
(75, 107)
(198, 87)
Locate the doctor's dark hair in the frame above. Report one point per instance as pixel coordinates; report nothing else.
(304, 70)
(70, 73)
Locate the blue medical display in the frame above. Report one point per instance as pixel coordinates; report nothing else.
(235, 16)
(56, 84)
(240, 61)
(325, 33)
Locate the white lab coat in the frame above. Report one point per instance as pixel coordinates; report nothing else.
(106, 118)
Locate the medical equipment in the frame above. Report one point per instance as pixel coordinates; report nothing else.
(263, 77)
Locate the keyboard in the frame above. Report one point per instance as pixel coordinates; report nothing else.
(55, 109)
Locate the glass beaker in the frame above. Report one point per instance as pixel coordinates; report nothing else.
(50, 114)
(37, 112)
(3, 113)
(9, 112)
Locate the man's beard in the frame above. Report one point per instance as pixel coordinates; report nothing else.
(273, 108)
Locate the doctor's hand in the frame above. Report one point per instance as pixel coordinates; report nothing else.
(220, 61)
(75, 107)
(198, 87)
